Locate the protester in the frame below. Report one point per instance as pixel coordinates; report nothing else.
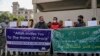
(61, 24)
(24, 26)
(49, 24)
(55, 24)
(81, 22)
(30, 23)
(5, 24)
(16, 20)
(99, 22)
(75, 24)
(41, 24)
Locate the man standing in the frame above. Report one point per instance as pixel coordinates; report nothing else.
(5, 24)
(55, 24)
(81, 22)
(41, 24)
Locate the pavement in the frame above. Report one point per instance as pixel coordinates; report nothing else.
(43, 54)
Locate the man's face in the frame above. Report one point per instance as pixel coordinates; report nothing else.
(54, 19)
(41, 18)
(80, 19)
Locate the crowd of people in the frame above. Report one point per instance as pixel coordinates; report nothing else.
(58, 24)
(55, 24)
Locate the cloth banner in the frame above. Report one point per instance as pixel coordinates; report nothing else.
(28, 40)
(81, 39)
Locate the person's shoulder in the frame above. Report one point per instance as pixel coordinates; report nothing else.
(84, 22)
(37, 24)
(54, 23)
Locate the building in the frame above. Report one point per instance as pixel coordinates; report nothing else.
(66, 9)
(27, 13)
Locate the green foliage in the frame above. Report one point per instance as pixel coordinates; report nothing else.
(3, 16)
(9, 16)
(21, 18)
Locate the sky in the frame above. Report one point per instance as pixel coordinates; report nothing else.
(5, 5)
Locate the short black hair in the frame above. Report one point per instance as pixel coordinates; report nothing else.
(81, 16)
(14, 19)
(31, 20)
(55, 18)
(94, 18)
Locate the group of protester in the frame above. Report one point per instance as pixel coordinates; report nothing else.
(55, 24)
(59, 24)
(41, 24)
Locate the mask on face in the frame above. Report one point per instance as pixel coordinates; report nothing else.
(79, 20)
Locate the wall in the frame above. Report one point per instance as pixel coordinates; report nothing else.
(98, 13)
(64, 15)
(29, 13)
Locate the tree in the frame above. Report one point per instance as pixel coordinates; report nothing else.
(9, 16)
(3, 16)
(21, 18)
